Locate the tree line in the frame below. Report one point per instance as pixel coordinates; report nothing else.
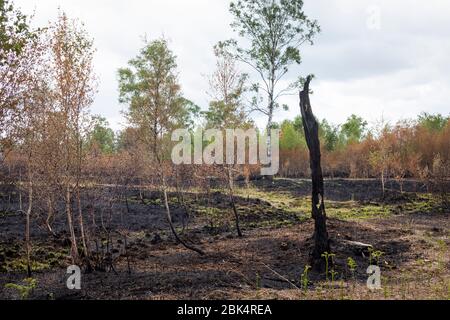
(414, 149)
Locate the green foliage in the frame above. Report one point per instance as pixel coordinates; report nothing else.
(150, 87)
(298, 125)
(354, 129)
(329, 135)
(375, 256)
(190, 114)
(333, 274)
(333, 137)
(291, 138)
(220, 113)
(273, 31)
(102, 136)
(21, 265)
(14, 31)
(304, 278)
(12, 259)
(24, 289)
(432, 122)
(154, 63)
(329, 257)
(354, 211)
(258, 281)
(352, 265)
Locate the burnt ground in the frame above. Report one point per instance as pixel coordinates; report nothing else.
(409, 232)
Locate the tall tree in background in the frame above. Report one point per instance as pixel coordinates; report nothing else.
(380, 156)
(330, 135)
(21, 98)
(311, 127)
(433, 122)
(226, 111)
(156, 108)
(14, 30)
(73, 83)
(102, 137)
(271, 33)
(29, 130)
(354, 129)
(19, 56)
(291, 138)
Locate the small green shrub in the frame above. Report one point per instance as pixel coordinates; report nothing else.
(258, 281)
(304, 279)
(352, 266)
(24, 290)
(328, 258)
(375, 256)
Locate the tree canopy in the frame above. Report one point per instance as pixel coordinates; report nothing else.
(270, 32)
(150, 87)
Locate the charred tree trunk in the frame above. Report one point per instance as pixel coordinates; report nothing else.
(311, 127)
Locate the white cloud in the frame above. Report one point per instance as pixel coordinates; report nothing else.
(397, 71)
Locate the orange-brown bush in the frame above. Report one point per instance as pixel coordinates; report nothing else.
(398, 152)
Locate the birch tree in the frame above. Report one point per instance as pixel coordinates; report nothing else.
(74, 86)
(270, 35)
(156, 108)
(226, 112)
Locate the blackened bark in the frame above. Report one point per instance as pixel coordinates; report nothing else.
(311, 127)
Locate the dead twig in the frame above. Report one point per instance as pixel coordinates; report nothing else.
(280, 276)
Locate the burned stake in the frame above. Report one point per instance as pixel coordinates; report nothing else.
(311, 127)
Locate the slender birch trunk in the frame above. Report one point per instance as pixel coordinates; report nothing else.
(27, 227)
(73, 239)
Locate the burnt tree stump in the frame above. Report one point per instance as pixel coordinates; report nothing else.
(311, 127)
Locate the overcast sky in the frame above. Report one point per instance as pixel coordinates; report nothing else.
(373, 58)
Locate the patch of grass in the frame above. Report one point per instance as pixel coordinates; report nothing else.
(280, 200)
(4, 214)
(355, 211)
(213, 214)
(423, 203)
(42, 258)
(54, 258)
(25, 288)
(346, 210)
(273, 223)
(20, 265)
(138, 235)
